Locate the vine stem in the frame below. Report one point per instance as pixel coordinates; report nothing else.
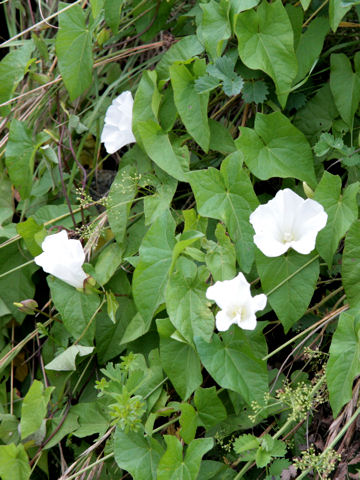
(89, 467)
(304, 332)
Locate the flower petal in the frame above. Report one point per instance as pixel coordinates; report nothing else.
(117, 131)
(259, 302)
(228, 291)
(223, 322)
(248, 323)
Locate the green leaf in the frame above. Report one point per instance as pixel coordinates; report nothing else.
(214, 27)
(228, 196)
(238, 7)
(173, 466)
(210, 408)
(108, 261)
(146, 102)
(20, 156)
(112, 10)
(157, 145)
(96, 7)
(186, 48)
(121, 195)
(351, 265)
(255, 92)
(342, 210)
(137, 454)
(66, 360)
(109, 335)
(337, 10)
(155, 205)
(192, 315)
(212, 470)
(220, 138)
(14, 463)
(92, 417)
(34, 408)
(76, 309)
(59, 428)
(177, 357)
(245, 442)
(310, 45)
(13, 67)
(220, 257)
(275, 148)
(205, 84)
(345, 87)
(317, 115)
(305, 4)
(344, 360)
(265, 39)
(74, 50)
(151, 273)
(187, 422)
(6, 201)
(18, 285)
(234, 363)
(233, 87)
(192, 106)
(291, 279)
(29, 230)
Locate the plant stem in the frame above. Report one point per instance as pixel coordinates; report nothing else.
(323, 320)
(89, 467)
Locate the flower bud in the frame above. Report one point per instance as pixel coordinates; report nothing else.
(27, 306)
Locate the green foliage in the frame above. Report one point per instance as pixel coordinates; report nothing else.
(343, 365)
(233, 102)
(34, 408)
(265, 35)
(137, 454)
(20, 156)
(275, 148)
(342, 211)
(12, 69)
(14, 462)
(173, 465)
(345, 86)
(75, 64)
(192, 106)
(228, 196)
(230, 359)
(291, 279)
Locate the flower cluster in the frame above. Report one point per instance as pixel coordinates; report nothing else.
(286, 221)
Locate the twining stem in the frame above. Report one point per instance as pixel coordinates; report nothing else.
(331, 315)
(89, 467)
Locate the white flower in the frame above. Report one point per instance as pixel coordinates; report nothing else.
(117, 130)
(63, 258)
(287, 221)
(236, 303)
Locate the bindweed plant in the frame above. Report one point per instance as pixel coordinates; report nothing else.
(179, 239)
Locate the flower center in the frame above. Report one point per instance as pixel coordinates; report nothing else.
(236, 311)
(288, 237)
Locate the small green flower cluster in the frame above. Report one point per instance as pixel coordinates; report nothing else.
(323, 464)
(301, 399)
(127, 411)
